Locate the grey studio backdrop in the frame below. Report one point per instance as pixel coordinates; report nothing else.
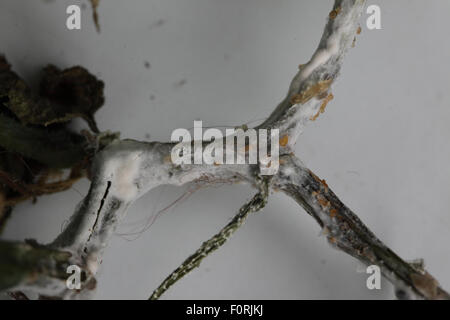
(382, 145)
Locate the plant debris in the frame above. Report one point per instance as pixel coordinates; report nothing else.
(317, 89)
(64, 95)
(79, 93)
(35, 141)
(95, 4)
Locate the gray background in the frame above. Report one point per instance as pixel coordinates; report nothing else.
(382, 144)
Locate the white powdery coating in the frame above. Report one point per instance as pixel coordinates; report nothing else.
(321, 56)
(123, 170)
(93, 263)
(288, 170)
(324, 64)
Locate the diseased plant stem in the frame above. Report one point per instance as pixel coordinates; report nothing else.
(125, 170)
(346, 232)
(257, 203)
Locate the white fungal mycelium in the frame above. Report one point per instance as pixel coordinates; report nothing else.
(123, 171)
(127, 169)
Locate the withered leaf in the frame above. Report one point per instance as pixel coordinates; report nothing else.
(75, 91)
(64, 95)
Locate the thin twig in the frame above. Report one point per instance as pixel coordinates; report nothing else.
(257, 203)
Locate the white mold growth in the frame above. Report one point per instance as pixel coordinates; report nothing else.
(123, 171)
